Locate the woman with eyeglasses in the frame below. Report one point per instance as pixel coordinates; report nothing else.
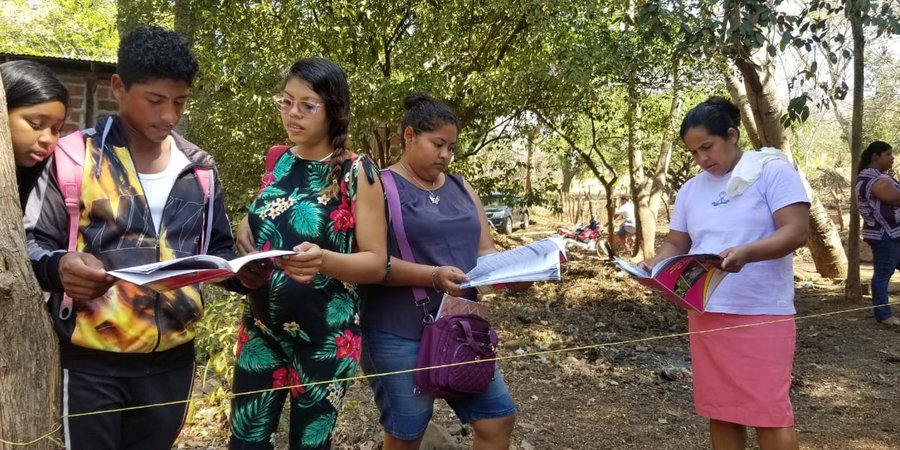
(36, 102)
(301, 329)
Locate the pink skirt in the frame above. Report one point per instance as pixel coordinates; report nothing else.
(743, 375)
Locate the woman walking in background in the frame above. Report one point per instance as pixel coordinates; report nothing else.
(878, 194)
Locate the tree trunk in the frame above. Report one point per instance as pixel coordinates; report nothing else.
(853, 288)
(828, 252)
(739, 97)
(29, 361)
(646, 223)
(665, 148)
(568, 173)
(184, 20)
(762, 95)
(184, 25)
(531, 135)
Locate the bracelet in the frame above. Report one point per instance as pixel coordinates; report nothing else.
(387, 269)
(434, 278)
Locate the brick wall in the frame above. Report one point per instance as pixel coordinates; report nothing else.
(90, 98)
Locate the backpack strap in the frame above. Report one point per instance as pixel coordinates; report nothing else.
(205, 176)
(69, 160)
(272, 157)
(393, 201)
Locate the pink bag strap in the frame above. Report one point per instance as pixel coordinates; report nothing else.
(69, 160)
(393, 201)
(272, 157)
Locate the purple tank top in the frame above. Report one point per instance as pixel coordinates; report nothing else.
(442, 234)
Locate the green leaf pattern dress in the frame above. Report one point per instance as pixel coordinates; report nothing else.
(294, 334)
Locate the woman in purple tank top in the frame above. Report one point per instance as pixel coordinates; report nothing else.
(447, 231)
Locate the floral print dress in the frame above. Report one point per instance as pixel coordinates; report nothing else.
(292, 334)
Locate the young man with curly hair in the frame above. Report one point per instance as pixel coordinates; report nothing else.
(142, 200)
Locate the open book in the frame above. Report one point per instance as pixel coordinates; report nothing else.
(686, 280)
(537, 261)
(180, 272)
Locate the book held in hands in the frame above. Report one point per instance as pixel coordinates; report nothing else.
(537, 261)
(685, 280)
(173, 274)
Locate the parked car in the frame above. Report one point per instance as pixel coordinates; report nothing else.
(505, 213)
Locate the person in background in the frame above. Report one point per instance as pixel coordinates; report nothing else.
(36, 104)
(742, 347)
(300, 333)
(878, 194)
(625, 233)
(447, 231)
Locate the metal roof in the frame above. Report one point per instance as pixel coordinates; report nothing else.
(55, 62)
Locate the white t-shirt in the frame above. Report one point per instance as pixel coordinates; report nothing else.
(716, 222)
(157, 186)
(627, 211)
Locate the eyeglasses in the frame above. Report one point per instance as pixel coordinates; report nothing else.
(285, 104)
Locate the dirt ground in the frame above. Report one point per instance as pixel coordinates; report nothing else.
(628, 387)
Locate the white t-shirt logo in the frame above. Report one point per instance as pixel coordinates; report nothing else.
(722, 201)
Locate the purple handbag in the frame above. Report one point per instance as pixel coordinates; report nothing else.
(452, 344)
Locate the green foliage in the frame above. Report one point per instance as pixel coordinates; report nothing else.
(497, 170)
(61, 28)
(216, 337)
(881, 119)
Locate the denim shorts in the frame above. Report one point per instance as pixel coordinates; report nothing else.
(404, 411)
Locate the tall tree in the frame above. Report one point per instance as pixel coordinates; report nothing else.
(29, 362)
(745, 30)
(855, 11)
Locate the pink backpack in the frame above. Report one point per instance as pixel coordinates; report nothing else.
(69, 160)
(272, 157)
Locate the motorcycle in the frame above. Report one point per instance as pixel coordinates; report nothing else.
(588, 238)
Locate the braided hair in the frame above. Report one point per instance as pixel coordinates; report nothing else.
(328, 81)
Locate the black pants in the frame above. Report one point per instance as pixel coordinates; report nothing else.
(153, 428)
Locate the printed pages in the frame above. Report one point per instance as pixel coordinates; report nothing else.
(686, 280)
(451, 306)
(176, 273)
(538, 261)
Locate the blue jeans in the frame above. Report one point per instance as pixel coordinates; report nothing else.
(885, 260)
(405, 412)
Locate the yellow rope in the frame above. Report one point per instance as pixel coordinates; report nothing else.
(499, 358)
(34, 441)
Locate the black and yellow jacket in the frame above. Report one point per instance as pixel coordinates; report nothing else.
(130, 330)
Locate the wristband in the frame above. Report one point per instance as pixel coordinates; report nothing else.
(434, 278)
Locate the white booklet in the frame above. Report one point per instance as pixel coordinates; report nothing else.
(180, 272)
(538, 261)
